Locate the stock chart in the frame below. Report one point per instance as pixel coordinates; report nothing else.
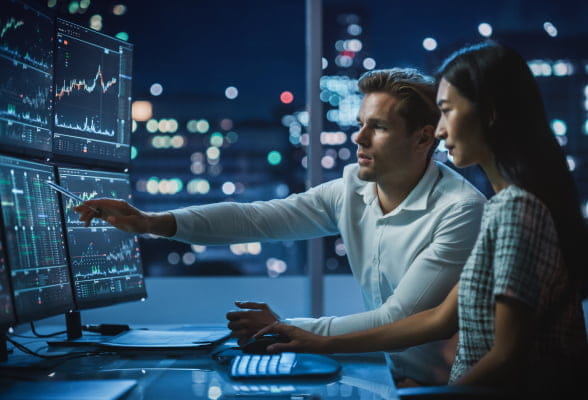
(6, 310)
(35, 243)
(106, 262)
(26, 78)
(92, 95)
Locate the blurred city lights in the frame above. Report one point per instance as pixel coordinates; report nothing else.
(123, 36)
(119, 9)
(485, 29)
(228, 188)
(134, 152)
(325, 63)
(286, 97)
(429, 44)
(73, 7)
(550, 29)
(96, 22)
(274, 157)
(216, 139)
(559, 127)
(212, 153)
(571, 163)
(152, 126)
(156, 89)
(141, 110)
(369, 63)
(231, 92)
(354, 30)
(226, 124)
(202, 126)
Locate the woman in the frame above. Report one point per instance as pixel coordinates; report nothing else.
(518, 303)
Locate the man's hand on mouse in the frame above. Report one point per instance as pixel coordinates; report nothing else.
(255, 316)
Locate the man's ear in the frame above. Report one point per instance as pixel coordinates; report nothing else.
(426, 136)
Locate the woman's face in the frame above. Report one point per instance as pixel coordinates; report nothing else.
(460, 126)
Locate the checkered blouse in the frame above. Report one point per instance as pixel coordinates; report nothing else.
(517, 256)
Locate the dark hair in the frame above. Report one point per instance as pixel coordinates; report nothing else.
(500, 84)
(415, 91)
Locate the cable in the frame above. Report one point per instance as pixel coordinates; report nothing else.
(44, 336)
(65, 356)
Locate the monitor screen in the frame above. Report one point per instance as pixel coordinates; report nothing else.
(92, 96)
(26, 79)
(105, 262)
(7, 317)
(34, 240)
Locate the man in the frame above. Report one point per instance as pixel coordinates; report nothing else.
(408, 223)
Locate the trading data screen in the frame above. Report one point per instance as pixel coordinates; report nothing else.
(35, 244)
(106, 262)
(92, 95)
(26, 79)
(6, 308)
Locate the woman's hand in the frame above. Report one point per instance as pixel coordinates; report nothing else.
(301, 341)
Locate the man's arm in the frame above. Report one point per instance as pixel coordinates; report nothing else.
(426, 281)
(434, 324)
(301, 216)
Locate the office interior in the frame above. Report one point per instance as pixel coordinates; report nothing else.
(172, 104)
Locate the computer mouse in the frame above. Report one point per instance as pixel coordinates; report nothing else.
(260, 344)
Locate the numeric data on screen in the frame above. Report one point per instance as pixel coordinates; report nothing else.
(92, 95)
(35, 243)
(6, 307)
(106, 262)
(26, 78)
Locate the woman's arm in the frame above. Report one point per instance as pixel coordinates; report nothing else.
(429, 325)
(503, 364)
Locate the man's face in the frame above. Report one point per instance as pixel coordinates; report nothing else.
(386, 151)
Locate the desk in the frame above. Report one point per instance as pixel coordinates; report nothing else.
(195, 374)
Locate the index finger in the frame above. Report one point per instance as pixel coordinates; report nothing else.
(275, 327)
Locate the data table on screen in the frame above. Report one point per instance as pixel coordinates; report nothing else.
(35, 242)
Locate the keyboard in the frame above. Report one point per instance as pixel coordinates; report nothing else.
(283, 365)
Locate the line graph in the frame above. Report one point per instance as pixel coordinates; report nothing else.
(12, 23)
(105, 262)
(25, 35)
(86, 96)
(83, 85)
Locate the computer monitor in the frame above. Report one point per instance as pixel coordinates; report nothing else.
(34, 240)
(92, 123)
(26, 79)
(105, 262)
(7, 317)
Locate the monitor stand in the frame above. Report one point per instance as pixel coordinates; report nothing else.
(73, 323)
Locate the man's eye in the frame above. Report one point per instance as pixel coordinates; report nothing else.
(444, 110)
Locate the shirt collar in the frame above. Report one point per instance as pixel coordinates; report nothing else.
(418, 197)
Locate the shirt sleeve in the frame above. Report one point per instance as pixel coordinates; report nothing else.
(426, 282)
(297, 217)
(525, 242)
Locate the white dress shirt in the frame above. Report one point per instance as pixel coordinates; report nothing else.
(405, 261)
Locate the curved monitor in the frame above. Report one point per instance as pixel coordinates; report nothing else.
(34, 239)
(26, 79)
(105, 262)
(92, 110)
